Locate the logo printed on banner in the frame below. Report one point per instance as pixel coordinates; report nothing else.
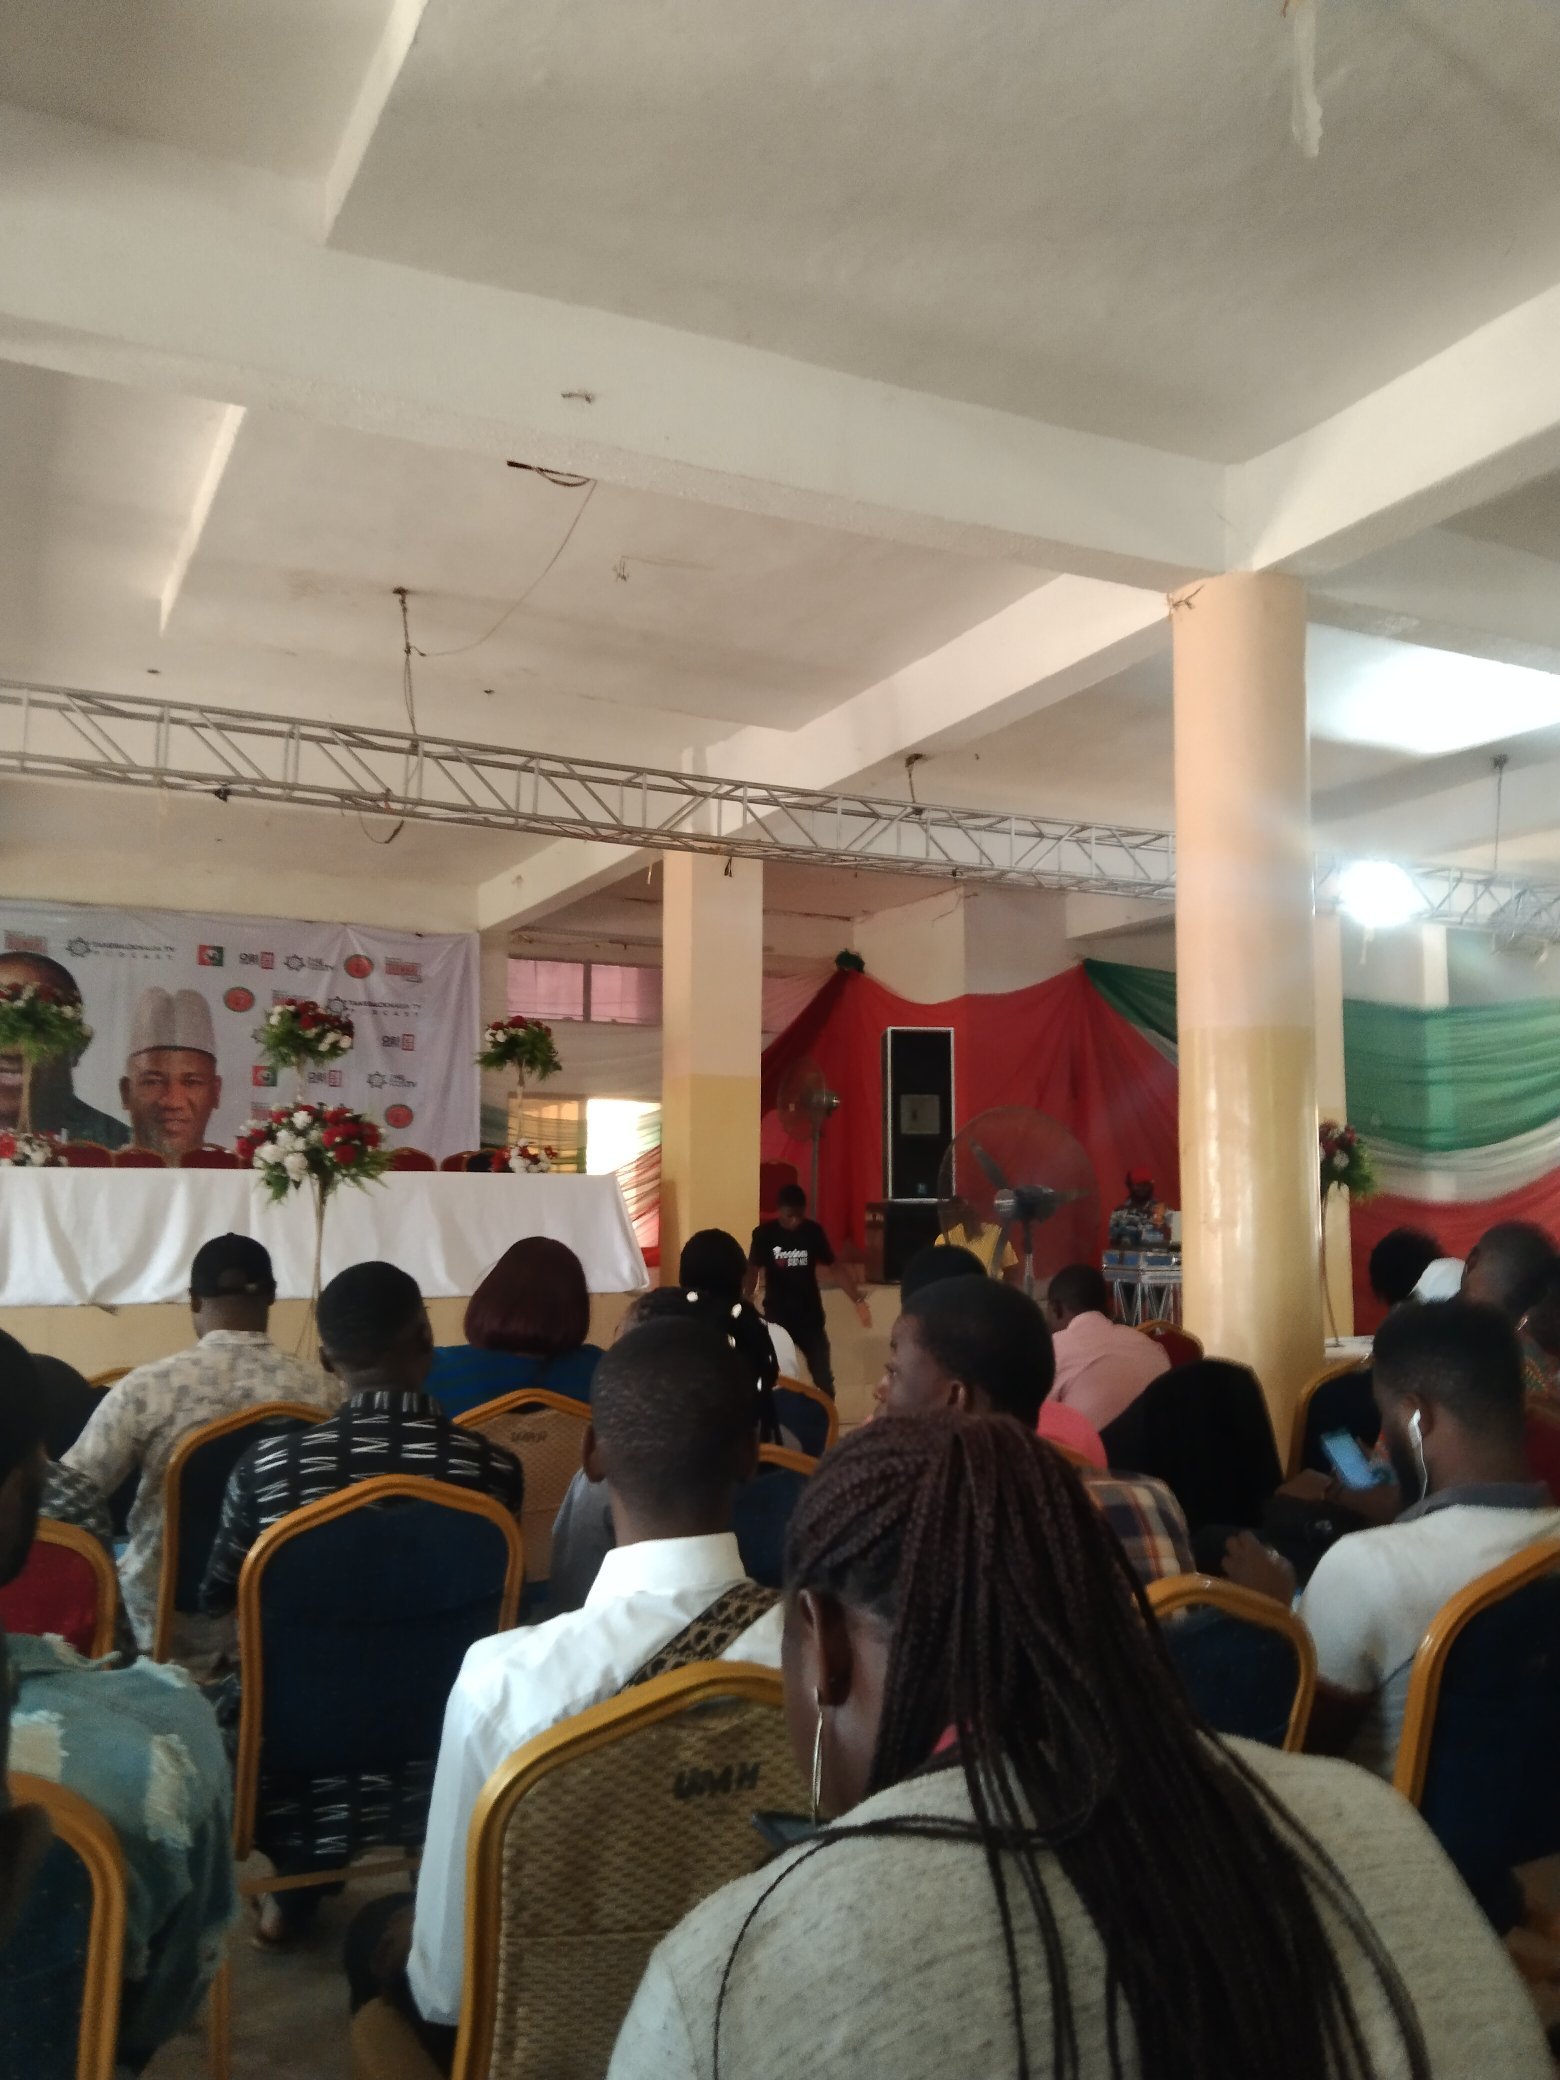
(263, 1076)
(257, 960)
(399, 1115)
(208, 956)
(78, 948)
(296, 962)
(330, 1077)
(358, 966)
(377, 1080)
(239, 999)
(406, 971)
(29, 942)
(403, 1041)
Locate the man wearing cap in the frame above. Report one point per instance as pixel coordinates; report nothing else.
(170, 1087)
(137, 1424)
(1140, 1221)
(56, 1109)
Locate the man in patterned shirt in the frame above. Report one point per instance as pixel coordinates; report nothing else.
(374, 1338)
(140, 1420)
(139, 1744)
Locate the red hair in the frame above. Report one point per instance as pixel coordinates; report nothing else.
(534, 1302)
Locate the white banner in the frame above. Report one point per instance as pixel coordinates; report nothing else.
(174, 1001)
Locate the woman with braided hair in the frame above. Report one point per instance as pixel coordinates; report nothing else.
(1045, 1864)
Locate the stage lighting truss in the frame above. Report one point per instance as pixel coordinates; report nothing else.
(60, 733)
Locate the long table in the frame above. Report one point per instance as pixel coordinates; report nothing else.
(122, 1238)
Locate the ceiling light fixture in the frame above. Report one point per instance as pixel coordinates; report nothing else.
(1379, 895)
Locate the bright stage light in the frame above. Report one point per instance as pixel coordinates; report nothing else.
(1378, 895)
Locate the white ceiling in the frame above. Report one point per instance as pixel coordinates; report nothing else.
(1089, 211)
(1085, 212)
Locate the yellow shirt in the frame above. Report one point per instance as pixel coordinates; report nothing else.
(983, 1245)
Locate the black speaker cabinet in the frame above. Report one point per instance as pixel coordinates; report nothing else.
(917, 1108)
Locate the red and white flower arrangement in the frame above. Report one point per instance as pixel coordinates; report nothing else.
(325, 1145)
(1345, 1161)
(21, 1151)
(523, 1044)
(528, 1160)
(298, 1031)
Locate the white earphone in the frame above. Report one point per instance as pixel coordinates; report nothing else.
(1416, 1439)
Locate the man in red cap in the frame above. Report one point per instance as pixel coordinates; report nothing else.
(1140, 1222)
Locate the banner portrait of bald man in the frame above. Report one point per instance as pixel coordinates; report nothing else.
(170, 1087)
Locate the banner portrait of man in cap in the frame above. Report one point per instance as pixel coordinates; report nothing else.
(170, 1087)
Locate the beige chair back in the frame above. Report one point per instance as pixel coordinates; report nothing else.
(592, 1842)
(546, 1433)
(85, 1832)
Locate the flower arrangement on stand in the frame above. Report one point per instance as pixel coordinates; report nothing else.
(21, 1151)
(525, 1045)
(1345, 1167)
(41, 1025)
(318, 1146)
(527, 1159)
(299, 1033)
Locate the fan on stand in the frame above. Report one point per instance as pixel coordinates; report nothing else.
(1018, 1176)
(804, 1103)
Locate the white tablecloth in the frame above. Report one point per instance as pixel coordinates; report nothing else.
(120, 1238)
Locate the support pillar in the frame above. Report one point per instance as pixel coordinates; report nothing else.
(712, 935)
(1244, 969)
(1332, 1102)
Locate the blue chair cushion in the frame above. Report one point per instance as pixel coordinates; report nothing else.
(1242, 1678)
(806, 1421)
(43, 1973)
(760, 1519)
(202, 1487)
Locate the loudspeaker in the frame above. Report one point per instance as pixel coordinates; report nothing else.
(917, 1108)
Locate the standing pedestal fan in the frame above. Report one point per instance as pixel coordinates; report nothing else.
(1021, 1172)
(805, 1103)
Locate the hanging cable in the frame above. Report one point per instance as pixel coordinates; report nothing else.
(567, 484)
(1499, 763)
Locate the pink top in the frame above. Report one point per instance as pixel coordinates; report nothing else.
(1064, 1426)
(1101, 1367)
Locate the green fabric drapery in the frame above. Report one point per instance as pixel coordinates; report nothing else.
(1431, 1081)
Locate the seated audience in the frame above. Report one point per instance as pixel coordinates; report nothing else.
(714, 1263)
(1540, 1331)
(1047, 1866)
(375, 1340)
(1399, 1261)
(70, 1498)
(980, 1238)
(1101, 1367)
(1507, 1269)
(143, 1417)
(1449, 1386)
(582, 1531)
(673, 1435)
(526, 1326)
(983, 1348)
(141, 1745)
(938, 1260)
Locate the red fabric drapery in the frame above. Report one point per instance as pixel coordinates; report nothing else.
(641, 1183)
(1057, 1046)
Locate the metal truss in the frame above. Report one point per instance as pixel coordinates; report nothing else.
(57, 733)
(52, 732)
(1513, 912)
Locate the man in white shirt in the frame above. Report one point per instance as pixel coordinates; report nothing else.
(1448, 1381)
(673, 1434)
(1101, 1367)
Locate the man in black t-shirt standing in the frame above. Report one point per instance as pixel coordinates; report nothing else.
(788, 1253)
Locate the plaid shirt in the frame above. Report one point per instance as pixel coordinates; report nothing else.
(1147, 1519)
(383, 1431)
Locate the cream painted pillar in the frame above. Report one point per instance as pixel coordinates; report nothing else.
(1245, 979)
(712, 938)
(1332, 1102)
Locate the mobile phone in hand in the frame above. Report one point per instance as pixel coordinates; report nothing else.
(1346, 1455)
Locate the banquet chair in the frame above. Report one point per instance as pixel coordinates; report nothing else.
(109, 1377)
(1179, 1345)
(209, 1157)
(83, 1155)
(68, 1585)
(1481, 1724)
(470, 1159)
(138, 1159)
(354, 1615)
(1326, 1405)
(587, 1846)
(1248, 1663)
(546, 1433)
(411, 1159)
(61, 1971)
(761, 1513)
(193, 1488)
(808, 1413)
